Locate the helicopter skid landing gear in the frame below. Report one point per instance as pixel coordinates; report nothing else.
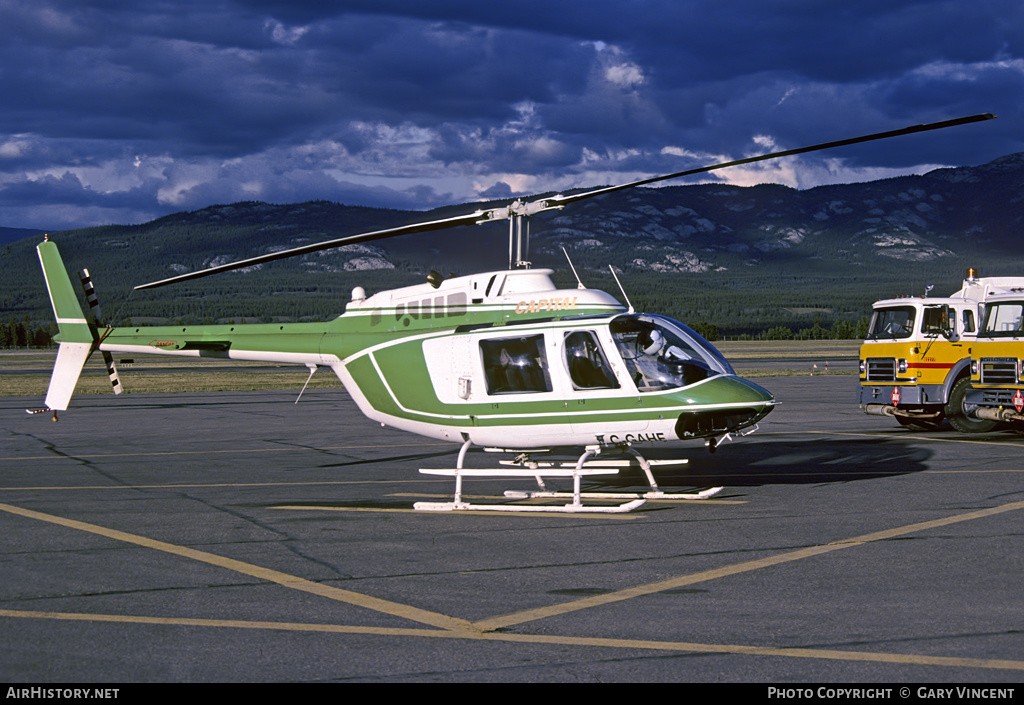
(576, 506)
(617, 463)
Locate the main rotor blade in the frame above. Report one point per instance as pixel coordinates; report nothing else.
(444, 223)
(775, 155)
(521, 209)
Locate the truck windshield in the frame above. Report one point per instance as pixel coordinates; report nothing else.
(894, 323)
(661, 353)
(1003, 320)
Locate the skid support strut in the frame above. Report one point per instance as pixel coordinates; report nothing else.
(537, 472)
(645, 465)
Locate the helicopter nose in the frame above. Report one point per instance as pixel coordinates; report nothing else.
(738, 404)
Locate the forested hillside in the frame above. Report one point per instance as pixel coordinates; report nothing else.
(741, 261)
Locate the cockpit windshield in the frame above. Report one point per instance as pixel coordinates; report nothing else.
(661, 353)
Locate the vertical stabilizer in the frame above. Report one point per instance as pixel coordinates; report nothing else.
(73, 325)
(76, 337)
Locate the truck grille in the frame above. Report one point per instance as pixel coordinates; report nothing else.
(998, 370)
(881, 369)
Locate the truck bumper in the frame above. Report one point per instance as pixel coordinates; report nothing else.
(919, 401)
(994, 404)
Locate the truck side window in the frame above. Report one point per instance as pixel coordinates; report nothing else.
(515, 365)
(968, 321)
(935, 321)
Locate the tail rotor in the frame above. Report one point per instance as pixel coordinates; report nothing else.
(97, 316)
(77, 337)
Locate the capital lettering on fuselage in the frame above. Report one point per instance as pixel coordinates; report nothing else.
(566, 303)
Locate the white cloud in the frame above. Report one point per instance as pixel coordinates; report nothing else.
(617, 69)
(283, 34)
(146, 108)
(950, 71)
(624, 75)
(14, 147)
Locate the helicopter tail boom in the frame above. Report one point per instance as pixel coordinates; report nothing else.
(77, 338)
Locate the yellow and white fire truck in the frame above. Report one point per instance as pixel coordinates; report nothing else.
(997, 362)
(915, 364)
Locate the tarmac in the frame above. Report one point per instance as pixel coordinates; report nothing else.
(240, 537)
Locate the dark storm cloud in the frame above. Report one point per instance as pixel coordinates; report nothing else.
(118, 112)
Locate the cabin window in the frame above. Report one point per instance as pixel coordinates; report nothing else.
(588, 367)
(515, 365)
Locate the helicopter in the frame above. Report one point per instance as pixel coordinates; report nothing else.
(501, 360)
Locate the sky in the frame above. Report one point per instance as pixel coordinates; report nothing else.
(121, 111)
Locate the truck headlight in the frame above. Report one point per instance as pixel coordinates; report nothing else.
(901, 367)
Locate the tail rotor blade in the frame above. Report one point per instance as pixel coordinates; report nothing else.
(97, 316)
(115, 381)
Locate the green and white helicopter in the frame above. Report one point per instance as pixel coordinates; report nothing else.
(501, 360)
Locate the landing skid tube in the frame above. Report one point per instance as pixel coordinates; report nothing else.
(645, 465)
(538, 472)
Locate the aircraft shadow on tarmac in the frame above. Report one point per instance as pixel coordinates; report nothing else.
(738, 464)
(784, 463)
(741, 464)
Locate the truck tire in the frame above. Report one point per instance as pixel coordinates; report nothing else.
(957, 414)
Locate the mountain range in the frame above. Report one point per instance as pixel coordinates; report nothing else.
(742, 258)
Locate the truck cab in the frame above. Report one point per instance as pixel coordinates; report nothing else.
(915, 363)
(997, 362)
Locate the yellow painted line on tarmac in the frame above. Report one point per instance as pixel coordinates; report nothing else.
(1005, 442)
(235, 451)
(544, 639)
(966, 471)
(325, 508)
(433, 619)
(730, 570)
(195, 485)
(694, 502)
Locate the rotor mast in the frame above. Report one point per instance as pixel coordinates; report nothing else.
(519, 241)
(518, 214)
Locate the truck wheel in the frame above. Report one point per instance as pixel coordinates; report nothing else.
(958, 415)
